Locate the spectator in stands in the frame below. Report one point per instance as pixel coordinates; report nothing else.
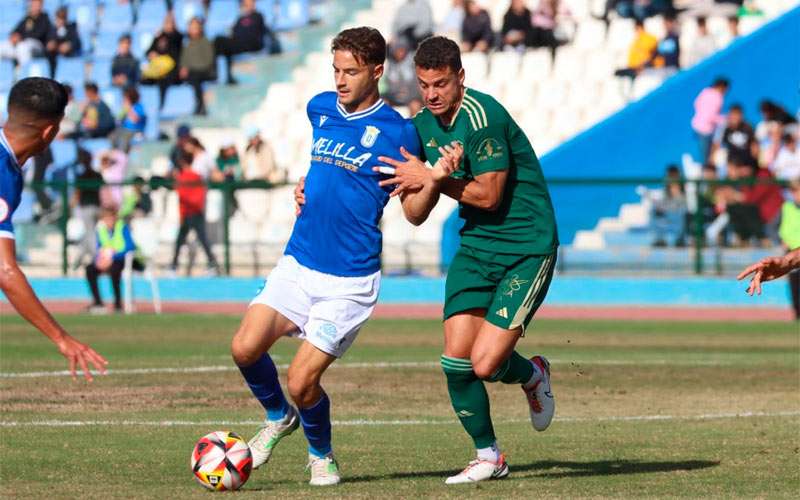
(114, 169)
(790, 238)
(192, 206)
(787, 163)
(738, 138)
(258, 162)
(451, 24)
(758, 196)
(182, 135)
(85, 204)
(29, 37)
(62, 40)
(162, 58)
(549, 28)
(198, 64)
(771, 146)
(669, 212)
(732, 33)
(72, 116)
(202, 162)
(125, 66)
(476, 30)
(412, 23)
(247, 35)
(772, 113)
(96, 119)
(136, 200)
(517, 28)
(640, 53)
(229, 170)
(668, 51)
(704, 44)
(400, 76)
(707, 115)
(114, 242)
(131, 123)
(642, 9)
(42, 162)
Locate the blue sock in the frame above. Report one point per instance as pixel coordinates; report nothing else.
(317, 426)
(262, 377)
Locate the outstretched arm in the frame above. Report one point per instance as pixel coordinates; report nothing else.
(768, 269)
(19, 292)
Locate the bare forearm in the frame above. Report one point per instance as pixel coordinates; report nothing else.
(21, 296)
(417, 205)
(470, 193)
(793, 259)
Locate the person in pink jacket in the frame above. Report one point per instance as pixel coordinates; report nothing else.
(707, 115)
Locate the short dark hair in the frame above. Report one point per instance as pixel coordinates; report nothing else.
(366, 44)
(438, 52)
(125, 36)
(90, 87)
(701, 20)
(722, 82)
(132, 94)
(41, 98)
(737, 107)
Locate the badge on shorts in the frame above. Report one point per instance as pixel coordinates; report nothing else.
(370, 136)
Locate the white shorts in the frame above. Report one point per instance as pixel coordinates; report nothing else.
(328, 310)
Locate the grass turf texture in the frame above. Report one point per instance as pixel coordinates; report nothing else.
(600, 370)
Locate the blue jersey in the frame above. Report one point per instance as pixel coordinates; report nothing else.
(337, 232)
(10, 187)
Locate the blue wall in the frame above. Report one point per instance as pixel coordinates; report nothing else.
(565, 291)
(641, 139)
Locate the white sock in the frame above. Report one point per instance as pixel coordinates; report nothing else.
(491, 454)
(536, 376)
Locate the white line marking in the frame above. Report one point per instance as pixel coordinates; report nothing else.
(366, 422)
(378, 364)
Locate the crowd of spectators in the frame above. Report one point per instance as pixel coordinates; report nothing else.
(756, 162)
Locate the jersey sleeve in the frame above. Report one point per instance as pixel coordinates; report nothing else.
(487, 149)
(6, 200)
(412, 141)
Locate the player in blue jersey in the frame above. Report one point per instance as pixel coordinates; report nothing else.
(325, 286)
(35, 109)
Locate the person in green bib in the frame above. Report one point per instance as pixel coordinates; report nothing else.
(503, 268)
(114, 241)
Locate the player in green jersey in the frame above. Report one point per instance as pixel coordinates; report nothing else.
(502, 270)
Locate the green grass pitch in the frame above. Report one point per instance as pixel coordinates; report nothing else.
(644, 409)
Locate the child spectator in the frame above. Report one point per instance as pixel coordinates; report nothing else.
(132, 121)
(124, 66)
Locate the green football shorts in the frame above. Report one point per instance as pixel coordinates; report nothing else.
(510, 287)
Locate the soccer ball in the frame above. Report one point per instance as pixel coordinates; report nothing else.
(221, 461)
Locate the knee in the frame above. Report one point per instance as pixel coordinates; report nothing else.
(483, 367)
(302, 387)
(242, 353)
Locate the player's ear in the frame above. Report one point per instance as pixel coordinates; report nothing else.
(377, 73)
(461, 76)
(50, 131)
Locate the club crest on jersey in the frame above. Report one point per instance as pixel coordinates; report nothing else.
(370, 136)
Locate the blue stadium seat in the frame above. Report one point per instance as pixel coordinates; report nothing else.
(179, 102)
(149, 99)
(70, 70)
(85, 14)
(141, 41)
(113, 98)
(64, 152)
(37, 67)
(6, 74)
(95, 146)
(151, 15)
(185, 11)
(101, 72)
(105, 43)
(116, 17)
(3, 104)
(221, 16)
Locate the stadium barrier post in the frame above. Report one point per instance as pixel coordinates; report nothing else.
(62, 223)
(698, 235)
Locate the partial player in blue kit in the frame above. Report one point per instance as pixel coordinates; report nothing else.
(326, 285)
(35, 109)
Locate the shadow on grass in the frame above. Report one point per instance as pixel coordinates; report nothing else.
(560, 469)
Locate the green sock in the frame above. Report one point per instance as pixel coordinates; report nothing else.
(514, 370)
(469, 399)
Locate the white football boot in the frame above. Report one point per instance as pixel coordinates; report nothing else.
(324, 470)
(480, 470)
(540, 397)
(270, 434)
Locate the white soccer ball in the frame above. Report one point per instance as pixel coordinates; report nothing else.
(221, 461)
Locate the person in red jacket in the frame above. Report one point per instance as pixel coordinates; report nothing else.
(192, 206)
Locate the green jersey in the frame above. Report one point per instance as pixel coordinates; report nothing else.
(524, 223)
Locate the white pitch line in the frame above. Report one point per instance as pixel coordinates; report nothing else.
(367, 422)
(378, 364)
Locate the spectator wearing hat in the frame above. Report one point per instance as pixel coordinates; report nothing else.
(258, 161)
(182, 134)
(114, 241)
